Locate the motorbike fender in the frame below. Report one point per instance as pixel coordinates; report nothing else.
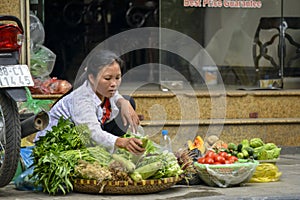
(17, 94)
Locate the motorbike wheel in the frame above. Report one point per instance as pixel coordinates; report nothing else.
(10, 139)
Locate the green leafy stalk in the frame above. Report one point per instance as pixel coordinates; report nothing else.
(57, 153)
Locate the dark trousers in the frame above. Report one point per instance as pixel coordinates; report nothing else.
(116, 126)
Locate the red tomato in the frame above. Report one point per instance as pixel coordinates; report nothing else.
(201, 160)
(217, 163)
(232, 159)
(210, 154)
(219, 159)
(228, 161)
(224, 154)
(209, 160)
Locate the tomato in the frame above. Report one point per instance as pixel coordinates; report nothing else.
(224, 154)
(232, 159)
(228, 161)
(201, 160)
(211, 154)
(209, 160)
(219, 159)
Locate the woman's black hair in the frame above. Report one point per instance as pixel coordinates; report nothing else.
(101, 59)
(96, 62)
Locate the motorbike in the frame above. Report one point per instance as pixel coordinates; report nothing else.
(14, 77)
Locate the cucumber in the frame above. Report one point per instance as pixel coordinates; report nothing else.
(250, 150)
(239, 147)
(245, 153)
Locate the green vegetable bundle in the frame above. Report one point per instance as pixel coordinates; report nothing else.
(264, 151)
(156, 166)
(148, 144)
(256, 142)
(170, 166)
(267, 152)
(57, 153)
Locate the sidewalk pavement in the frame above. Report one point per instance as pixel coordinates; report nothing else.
(287, 188)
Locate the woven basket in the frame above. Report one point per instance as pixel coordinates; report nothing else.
(226, 175)
(124, 187)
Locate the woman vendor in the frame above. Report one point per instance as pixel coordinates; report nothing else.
(97, 103)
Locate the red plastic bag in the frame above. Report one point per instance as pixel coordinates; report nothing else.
(50, 86)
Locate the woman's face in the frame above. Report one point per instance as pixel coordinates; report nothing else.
(107, 81)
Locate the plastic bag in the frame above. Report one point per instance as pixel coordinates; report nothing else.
(50, 86)
(37, 32)
(26, 156)
(42, 61)
(266, 172)
(26, 181)
(34, 105)
(227, 175)
(237, 176)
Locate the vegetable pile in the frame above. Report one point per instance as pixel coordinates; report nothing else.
(222, 157)
(211, 151)
(58, 152)
(255, 148)
(67, 153)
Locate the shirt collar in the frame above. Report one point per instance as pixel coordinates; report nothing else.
(93, 94)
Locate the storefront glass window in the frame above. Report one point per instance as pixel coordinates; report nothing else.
(247, 40)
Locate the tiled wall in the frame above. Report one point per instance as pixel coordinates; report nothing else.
(11, 7)
(186, 115)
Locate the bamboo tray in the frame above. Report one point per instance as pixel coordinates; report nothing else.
(124, 187)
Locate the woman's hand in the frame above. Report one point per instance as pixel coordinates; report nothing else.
(128, 114)
(133, 145)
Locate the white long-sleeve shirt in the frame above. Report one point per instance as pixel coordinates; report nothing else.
(82, 106)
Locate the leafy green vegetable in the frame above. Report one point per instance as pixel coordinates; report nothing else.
(85, 135)
(274, 153)
(256, 142)
(57, 153)
(55, 171)
(264, 154)
(99, 154)
(270, 146)
(147, 143)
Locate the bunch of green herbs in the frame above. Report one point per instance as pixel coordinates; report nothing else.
(57, 153)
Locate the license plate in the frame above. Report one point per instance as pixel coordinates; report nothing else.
(15, 76)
